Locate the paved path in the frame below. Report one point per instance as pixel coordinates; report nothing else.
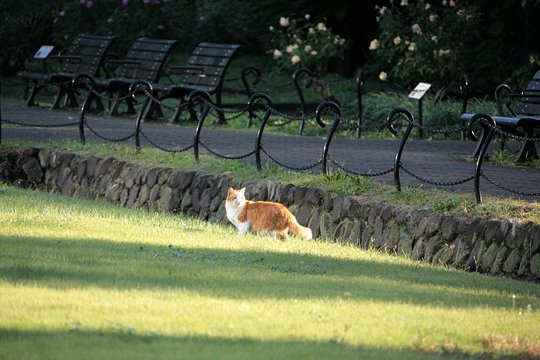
(437, 161)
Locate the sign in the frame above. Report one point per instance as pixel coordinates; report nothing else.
(419, 91)
(43, 52)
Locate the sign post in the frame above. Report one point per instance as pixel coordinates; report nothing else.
(417, 94)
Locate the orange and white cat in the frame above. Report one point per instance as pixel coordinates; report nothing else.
(262, 217)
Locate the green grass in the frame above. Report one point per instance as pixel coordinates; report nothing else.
(83, 279)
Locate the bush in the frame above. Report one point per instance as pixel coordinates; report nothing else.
(302, 43)
(424, 42)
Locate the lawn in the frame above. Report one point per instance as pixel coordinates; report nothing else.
(83, 279)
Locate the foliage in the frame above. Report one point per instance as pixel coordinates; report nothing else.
(301, 42)
(127, 19)
(17, 30)
(424, 41)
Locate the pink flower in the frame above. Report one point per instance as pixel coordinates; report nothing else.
(146, 1)
(296, 59)
(82, 2)
(66, 37)
(89, 4)
(62, 13)
(109, 21)
(160, 27)
(125, 2)
(283, 21)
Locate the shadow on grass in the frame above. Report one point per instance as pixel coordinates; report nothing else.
(248, 274)
(78, 343)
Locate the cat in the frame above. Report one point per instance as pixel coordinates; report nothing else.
(262, 217)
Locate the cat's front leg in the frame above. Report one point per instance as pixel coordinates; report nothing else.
(243, 228)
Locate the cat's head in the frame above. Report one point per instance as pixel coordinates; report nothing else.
(236, 197)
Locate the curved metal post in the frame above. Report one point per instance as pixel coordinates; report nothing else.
(250, 69)
(337, 112)
(297, 75)
(393, 115)
(488, 126)
(206, 108)
(135, 87)
(80, 78)
(268, 112)
(359, 90)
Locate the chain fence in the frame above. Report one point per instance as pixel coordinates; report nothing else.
(286, 119)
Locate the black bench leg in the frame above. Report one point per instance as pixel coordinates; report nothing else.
(34, 88)
(527, 152)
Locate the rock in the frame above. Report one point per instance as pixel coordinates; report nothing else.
(511, 264)
(461, 252)
(499, 260)
(535, 240)
(336, 209)
(33, 171)
(312, 197)
(165, 196)
(449, 228)
(313, 223)
(300, 195)
(356, 233)
(102, 167)
(535, 266)
(418, 249)
(303, 214)
(488, 257)
(325, 225)
(133, 194)
(432, 246)
(152, 176)
(443, 256)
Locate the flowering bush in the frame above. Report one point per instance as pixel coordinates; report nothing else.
(425, 41)
(303, 43)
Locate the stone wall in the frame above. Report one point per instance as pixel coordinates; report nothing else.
(484, 245)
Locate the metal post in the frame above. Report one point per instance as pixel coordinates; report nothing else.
(420, 119)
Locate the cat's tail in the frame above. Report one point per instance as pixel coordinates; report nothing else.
(299, 230)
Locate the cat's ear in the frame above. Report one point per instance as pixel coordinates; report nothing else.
(230, 190)
(242, 192)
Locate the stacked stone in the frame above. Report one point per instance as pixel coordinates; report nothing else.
(485, 245)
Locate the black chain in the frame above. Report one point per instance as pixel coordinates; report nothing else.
(226, 156)
(162, 148)
(291, 167)
(225, 110)
(440, 131)
(342, 167)
(106, 138)
(435, 183)
(290, 117)
(492, 182)
(515, 137)
(40, 125)
(161, 103)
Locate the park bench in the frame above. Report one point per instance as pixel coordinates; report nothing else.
(86, 54)
(204, 71)
(144, 61)
(524, 119)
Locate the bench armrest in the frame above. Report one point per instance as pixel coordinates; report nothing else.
(65, 57)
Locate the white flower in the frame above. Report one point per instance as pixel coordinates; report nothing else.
(404, 2)
(416, 29)
(307, 16)
(321, 26)
(296, 59)
(428, 6)
(277, 54)
(271, 28)
(434, 38)
(433, 17)
(444, 2)
(396, 40)
(374, 44)
(313, 52)
(383, 76)
(382, 10)
(444, 52)
(311, 31)
(341, 42)
(412, 46)
(289, 49)
(283, 21)
(308, 48)
(452, 3)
